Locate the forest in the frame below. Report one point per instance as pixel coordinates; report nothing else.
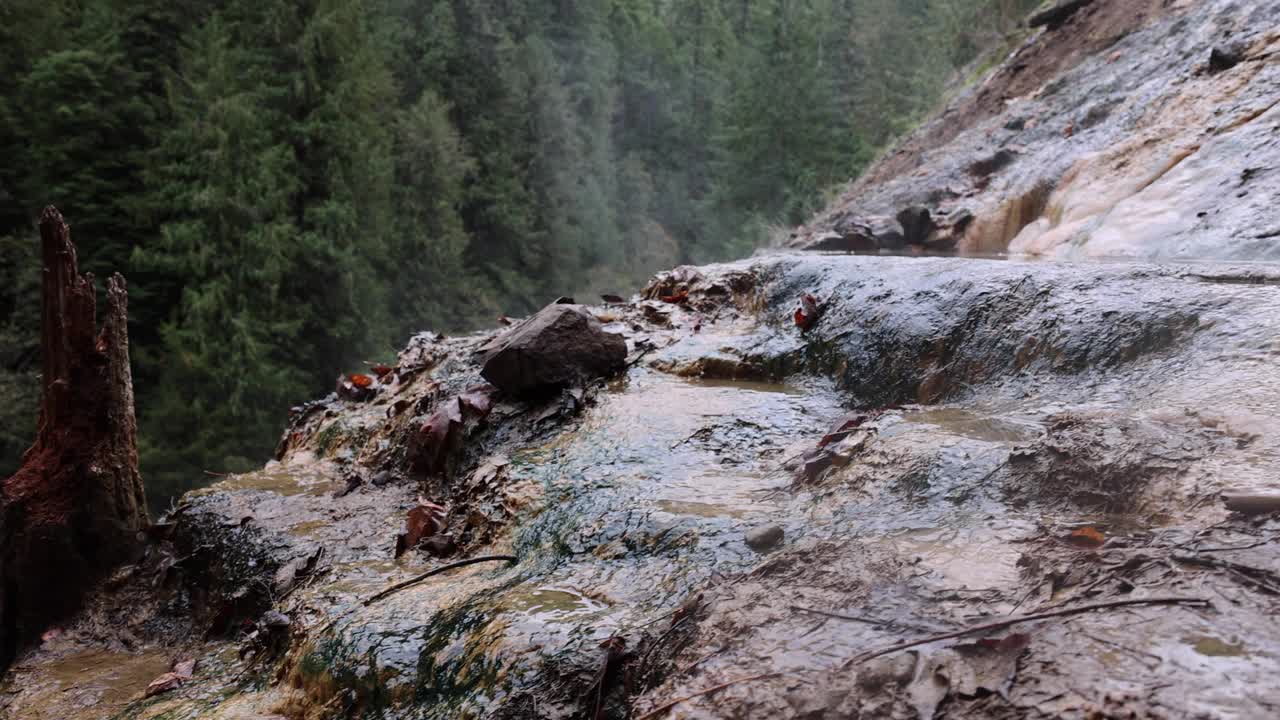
(293, 188)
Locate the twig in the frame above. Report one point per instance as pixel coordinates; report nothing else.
(856, 618)
(1118, 646)
(414, 581)
(827, 613)
(211, 473)
(703, 659)
(663, 708)
(644, 662)
(1021, 619)
(1253, 574)
(1237, 547)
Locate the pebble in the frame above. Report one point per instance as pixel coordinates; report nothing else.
(764, 539)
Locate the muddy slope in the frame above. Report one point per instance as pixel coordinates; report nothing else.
(1136, 128)
(950, 443)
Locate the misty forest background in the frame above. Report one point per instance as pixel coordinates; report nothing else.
(294, 186)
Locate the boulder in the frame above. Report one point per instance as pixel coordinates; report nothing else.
(559, 346)
(917, 223)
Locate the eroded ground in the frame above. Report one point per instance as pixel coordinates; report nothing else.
(952, 443)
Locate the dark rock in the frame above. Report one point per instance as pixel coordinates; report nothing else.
(992, 164)
(859, 240)
(1054, 17)
(1225, 57)
(949, 229)
(871, 232)
(1016, 124)
(565, 300)
(916, 223)
(560, 346)
(764, 539)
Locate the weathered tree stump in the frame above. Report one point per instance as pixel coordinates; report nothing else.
(75, 508)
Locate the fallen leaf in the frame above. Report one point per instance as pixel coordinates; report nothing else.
(185, 669)
(1087, 537)
(504, 320)
(809, 311)
(677, 297)
(802, 322)
(164, 683)
(843, 427)
(477, 401)
(436, 438)
(355, 387)
(381, 370)
(986, 665)
(425, 520)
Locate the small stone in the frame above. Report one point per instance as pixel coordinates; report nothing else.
(1225, 57)
(764, 539)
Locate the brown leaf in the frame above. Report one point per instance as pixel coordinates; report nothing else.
(437, 437)
(381, 370)
(842, 427)
(986, 665)
(1087, 537)
(477, 401)
(676, 297)
(424, 521)
(185, 669)
(164, 683)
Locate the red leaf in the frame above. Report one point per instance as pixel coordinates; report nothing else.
(360, 381)
(1087, 537)
(381, 370)
(809, 311)
(676, 297)
(504, 320)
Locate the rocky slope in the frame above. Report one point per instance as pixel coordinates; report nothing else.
(1133, 128)
(810, 485)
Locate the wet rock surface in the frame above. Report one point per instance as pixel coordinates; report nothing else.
(1123, 128)
(1003, 438)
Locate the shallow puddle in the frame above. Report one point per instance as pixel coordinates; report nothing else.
(96, 681)
(970, 558)
(282, 480)
(955, 421)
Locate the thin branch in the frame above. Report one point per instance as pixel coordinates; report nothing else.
(858, 659)
(664, 708)
(857, 618)
(415, 580)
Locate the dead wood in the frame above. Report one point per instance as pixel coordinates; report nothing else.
(76, 508)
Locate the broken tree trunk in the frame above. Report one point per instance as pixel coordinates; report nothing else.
(75, 508)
